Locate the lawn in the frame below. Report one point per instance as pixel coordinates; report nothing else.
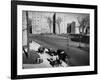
(32, 58)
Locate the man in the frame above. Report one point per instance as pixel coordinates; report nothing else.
(51, 62)
(62, 55)
(41, 49)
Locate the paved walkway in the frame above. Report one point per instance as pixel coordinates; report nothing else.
(44, 64)
(44, 56)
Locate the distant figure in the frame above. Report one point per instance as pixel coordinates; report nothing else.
(46, 50)
(52, 63)
(55, 61)
(62, 55)
(41, 49)
(51, 52)
(59, 62)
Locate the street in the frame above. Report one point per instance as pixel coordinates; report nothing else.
(78, 57)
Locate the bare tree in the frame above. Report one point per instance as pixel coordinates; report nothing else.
(49, 21)
(58, 21)
(84, 24)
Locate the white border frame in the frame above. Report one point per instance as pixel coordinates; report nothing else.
(21, 71)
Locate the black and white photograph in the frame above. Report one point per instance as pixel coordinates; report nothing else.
(55, 39)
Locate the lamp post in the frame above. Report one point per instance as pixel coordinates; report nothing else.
(67, 42)
(54, 23)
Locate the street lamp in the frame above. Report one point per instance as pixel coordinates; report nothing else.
(67, 42)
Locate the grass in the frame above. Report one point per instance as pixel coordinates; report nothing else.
(32, 58)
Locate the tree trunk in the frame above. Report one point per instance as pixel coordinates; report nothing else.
(54, 23)
(59, 28)
(79, 37)
(27, 32)
(50, 27)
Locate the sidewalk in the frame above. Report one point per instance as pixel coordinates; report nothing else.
(44, 56)
(44, 64)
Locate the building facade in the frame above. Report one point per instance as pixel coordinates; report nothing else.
(71, 28)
